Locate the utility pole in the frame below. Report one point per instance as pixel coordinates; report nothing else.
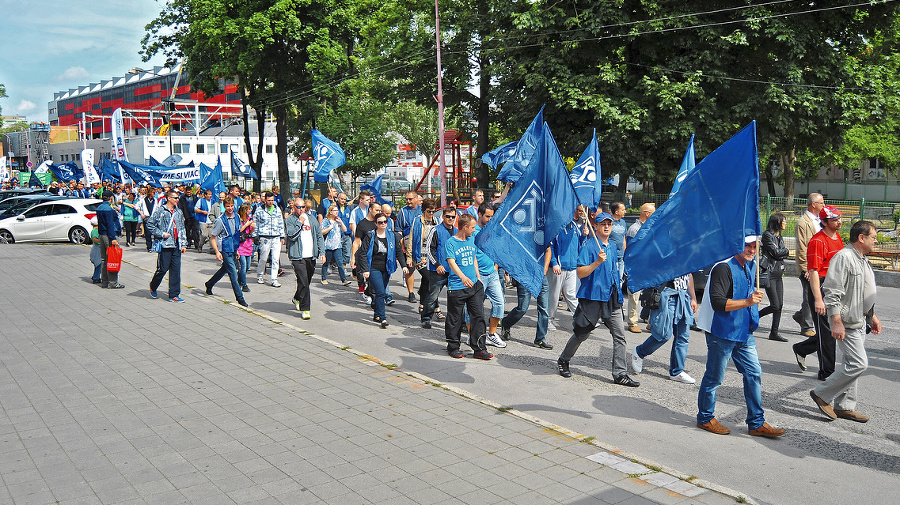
(440, 100)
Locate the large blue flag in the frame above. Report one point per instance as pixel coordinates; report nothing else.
(374, 187)
(212, 179)
(327, 155)
(585, 176)
(34, 181)
(525, 148)
(500, 155)
(141, 175)
(531, 216)
(67, 172)
(687, 164)
(242, 169)
(705, 221)
(155, 163)
(109, 170)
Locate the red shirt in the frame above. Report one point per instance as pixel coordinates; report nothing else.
(820, 250)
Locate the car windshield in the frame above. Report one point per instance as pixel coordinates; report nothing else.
(92, 206)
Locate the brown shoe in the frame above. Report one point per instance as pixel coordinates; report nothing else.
(766, 431)
(634, 328)
(824, 406)
(809, 333)
(714, 426)
(851, 415)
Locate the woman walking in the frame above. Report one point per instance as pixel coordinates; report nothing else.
(245, 250)
(377, 260)
(772, 260)
(332, 228)
(130, 218)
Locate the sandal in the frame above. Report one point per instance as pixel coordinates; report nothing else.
(438, 314)
(421, 308)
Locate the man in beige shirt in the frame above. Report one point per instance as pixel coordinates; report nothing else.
(807, 226)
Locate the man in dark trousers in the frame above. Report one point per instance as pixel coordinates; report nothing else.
(108, 228)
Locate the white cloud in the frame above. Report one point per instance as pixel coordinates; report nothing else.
(26, 106)
(73, 74)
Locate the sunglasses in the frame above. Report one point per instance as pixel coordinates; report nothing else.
(381, 221)
(450, 217)
(301, 206)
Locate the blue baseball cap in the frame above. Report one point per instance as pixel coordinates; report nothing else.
(603, 216)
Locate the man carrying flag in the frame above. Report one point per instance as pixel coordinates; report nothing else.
(327, 155)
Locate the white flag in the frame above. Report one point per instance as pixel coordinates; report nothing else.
(87, 162)
(4, 172)
(117, 126)
(43, 167)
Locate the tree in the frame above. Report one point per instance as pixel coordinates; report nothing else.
(2, 94)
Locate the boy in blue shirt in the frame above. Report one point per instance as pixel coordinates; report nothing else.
(464, 291)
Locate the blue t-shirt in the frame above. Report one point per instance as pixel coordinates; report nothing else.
(617, 235)
(485, 263)
(599, 285)
(463, 252)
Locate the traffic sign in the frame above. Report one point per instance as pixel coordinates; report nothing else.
(29, 164)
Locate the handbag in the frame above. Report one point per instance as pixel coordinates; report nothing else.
(113, 258)
(765, 265)
(157, 246)
(651, 298)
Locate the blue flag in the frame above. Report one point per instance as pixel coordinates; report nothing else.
(531, 216)
(67, 172)
(525, 148)
(34, 181)
(242, 169)
(500, 155)
(586, 176)
(687, 164)
(374, 187)
(109, 170)
(139, 174)
(327, 154)
(155, 163)
(705, 221)
(212, 179)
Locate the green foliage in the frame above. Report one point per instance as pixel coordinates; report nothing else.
(20, 126)
(2, 94)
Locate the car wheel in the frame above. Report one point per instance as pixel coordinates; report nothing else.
(78, 235)
(6, 237)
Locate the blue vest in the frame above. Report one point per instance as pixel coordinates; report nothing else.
(738, 324)
(391, 262)
(232, 241)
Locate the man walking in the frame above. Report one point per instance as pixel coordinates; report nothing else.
(850, 303)
(599, 300)
(435, 250)
(305, 244)
(464, 292)
(201, 214)
(822, 247)
(225, 240)
(808, 225)
(406, 217)
(729, 315)
(108, 227)
(564, 262)
(647, 210)
(186, 204)
(167, 224)
(270, 229)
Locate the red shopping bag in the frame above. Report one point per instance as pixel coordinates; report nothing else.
(113, 258)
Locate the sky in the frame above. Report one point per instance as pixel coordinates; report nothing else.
(48, 46)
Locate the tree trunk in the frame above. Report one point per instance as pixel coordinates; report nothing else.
(284, 181)
(787, 168)
(260, 111)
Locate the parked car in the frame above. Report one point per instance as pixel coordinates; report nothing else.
(9, 193)
(55, 221)
(19, 204)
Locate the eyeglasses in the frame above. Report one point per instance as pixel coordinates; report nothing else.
(429, 212)
(301, 207)
(381, 221)
(496, 196)
(450, 217)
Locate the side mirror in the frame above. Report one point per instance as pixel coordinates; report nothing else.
(20, 217)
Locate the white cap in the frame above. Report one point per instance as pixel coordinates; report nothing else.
(94, 221)
(749, 239)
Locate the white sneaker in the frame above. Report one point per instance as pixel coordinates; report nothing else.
(637, 362)
(276, 284)
(260, 280)
(551, 326)
(464, 339)
(367, 299)
(495, 340)
(683, 377)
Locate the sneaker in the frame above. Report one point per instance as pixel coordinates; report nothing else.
(296, 304)
(384, 324)
(543, 344)
(367, 299)
(324, 281)
(280, 271)
(495, 340)
(412, 298)
(245, 288)
(824, 406)
(304, 314)
(276, 284)
(683, 377)
(153, 294)
(801, 360)
(208, 290)
(551, 326)
(464, 339)
(259, 280)
(390, 301)
(563, 367)
(504, 333)
(177, 299)
(243, 303)
(851, 415)
(483, 355)
(767, 431)
(345, 283)
(456, 354)
(116, 286)
(637, 362)
(625, 380)
(714, 426)
(427, 326)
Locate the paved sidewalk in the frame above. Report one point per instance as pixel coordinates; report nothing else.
(107, 396)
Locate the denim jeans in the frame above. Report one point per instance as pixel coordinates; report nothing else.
(335, 255)
(682, 331)
(269, 246)
(523, 301)
(379, 282)
(242, 271)
(229, 266)
(435, 282)
(346, 247)
(746, 360)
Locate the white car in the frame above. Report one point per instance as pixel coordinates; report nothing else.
(59, 220)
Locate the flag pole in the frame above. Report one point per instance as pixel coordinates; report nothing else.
(590, 224)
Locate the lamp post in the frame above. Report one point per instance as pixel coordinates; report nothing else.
(440, 101)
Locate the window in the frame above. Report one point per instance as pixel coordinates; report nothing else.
(61, 209)
(268, 148)
(39, 211)
(223, 149)
(77, 157)
(210, 148)
(176, 148)
(234, 148)
(200, 149)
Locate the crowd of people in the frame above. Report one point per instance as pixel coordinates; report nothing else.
(583, 267)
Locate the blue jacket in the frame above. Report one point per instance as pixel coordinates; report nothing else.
(159, 224)
(565, 247)
(599, 285)
(436, 244)
(407, 217)
(108, 221)
(390, 261)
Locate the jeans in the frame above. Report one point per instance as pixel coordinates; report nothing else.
(746, 360)
(379, 282)
(304, 269)
(148, 236)
(435, 282)
(682, 331)
(470, 300)
(229, 266)
(168, 260)
(524, 300)
(269, 246)
(492, 292)
(346, 247)
(96, 276)
(334, 255)
(244, 266)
